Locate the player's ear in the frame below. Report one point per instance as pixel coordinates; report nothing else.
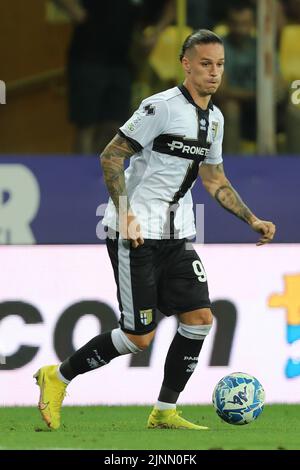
(186, 64)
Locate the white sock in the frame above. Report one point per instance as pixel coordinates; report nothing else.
(160, 405)
(61, 377)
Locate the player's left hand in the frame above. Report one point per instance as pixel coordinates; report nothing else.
(267, 229)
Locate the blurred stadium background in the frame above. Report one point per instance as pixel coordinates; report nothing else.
(56, 284)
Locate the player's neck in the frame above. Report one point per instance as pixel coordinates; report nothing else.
(201, 101)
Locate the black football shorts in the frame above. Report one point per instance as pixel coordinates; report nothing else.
(159, 275)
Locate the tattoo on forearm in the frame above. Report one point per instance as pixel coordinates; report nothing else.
(112, 161)
(231, 201)
(219, 168)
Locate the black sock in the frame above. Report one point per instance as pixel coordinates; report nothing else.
(96, 353)
(180, 363)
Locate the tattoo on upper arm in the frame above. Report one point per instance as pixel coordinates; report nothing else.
(231, 201)
(112, 162)
(119, 147)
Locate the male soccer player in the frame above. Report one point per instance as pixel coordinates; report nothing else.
(174, 136)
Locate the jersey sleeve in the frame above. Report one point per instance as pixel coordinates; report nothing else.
(215, 153)
(147, 122)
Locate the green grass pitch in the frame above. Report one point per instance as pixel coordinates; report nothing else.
(116, 428)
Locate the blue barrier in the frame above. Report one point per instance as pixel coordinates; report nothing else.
(53, 199)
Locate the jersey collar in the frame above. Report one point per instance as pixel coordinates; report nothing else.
(188, 96)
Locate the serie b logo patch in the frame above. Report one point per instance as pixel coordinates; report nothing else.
(146, 316)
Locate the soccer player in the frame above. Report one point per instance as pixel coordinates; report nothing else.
(173, 136)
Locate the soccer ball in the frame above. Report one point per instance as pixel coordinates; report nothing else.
(239, 398)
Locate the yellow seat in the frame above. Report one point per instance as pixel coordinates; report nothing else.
(221, 29)
(56, 14)
(165, 55)
(289, 53)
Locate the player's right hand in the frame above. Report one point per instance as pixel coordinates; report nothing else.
(130, 229)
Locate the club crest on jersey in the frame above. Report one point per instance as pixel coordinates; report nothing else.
(146, 316)
(213, 131)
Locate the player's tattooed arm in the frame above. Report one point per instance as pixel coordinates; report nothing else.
(227, 196)
(112, 162)
(217, 184)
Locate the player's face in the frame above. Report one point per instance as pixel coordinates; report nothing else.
(204, 66)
